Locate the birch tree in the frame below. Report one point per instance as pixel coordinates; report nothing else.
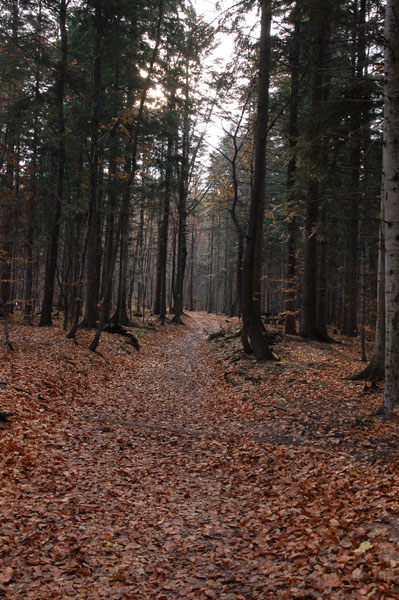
(391, 205)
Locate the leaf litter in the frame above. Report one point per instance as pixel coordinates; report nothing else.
(151, 475)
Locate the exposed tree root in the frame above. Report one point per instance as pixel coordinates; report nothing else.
(121, 331)
(373, 372)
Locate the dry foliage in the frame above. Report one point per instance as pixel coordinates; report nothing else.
(188, 471)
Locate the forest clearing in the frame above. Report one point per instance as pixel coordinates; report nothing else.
(188, 470)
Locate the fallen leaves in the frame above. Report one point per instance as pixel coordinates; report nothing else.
(149, 476)
(6, 575)
(364, 546)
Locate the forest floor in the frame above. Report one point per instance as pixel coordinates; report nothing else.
(187, 471)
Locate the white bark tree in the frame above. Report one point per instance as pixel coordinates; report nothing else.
(391, 205)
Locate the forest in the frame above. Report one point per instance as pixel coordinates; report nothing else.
(115, 202)
(199, 289)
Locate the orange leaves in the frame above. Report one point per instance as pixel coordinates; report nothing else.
(149, 476)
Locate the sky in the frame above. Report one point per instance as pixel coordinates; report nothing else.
(222, 53)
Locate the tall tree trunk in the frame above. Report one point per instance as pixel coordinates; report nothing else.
(240, 246)
(9, 188)
(290, 297)
(355, 144)
(92, 268)
(80, 251)
(362, 278)
(110, 251)
(192, 257)
(250, 298)
(182, 215)
(120, 316)
(181, 252)
(52, 251)
(309, 325)
(173, 274)
(160, 302)
(140, 262)
(375, 369)
(322, 279)
(30, 209)
(209, 276)
(391, 205)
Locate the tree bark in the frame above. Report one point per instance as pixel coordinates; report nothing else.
(160, 301)
(182, 215)
(92, 271)
(315, 172)
(251, 295)
(375, 369)
(290, 298)
(355, 145)
(9, 186)
(391, 205)
(30, 209)
(322, 278)
(52, 251)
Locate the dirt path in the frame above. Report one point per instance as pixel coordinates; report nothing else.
(158, 490)
(172, 387)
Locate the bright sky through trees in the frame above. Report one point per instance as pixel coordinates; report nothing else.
(213, 12)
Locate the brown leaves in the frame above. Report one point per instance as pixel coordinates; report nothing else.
(149, 476)
(6, 575)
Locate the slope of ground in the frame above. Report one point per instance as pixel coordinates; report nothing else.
(178, 472)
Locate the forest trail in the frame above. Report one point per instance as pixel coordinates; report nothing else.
(151, 481)
(172, 387)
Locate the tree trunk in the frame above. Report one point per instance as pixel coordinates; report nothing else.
(250, 298)
(140, 261)
(355, 145)
(10, 154)
(52, 250)
(160, 302)
(182, 215)
(362, 277)
(110, 252)
(120, 316)
(181, 249)
(92, 272)
(192, 256)
(30, 209)
(309, 325)
(391, 205)
(375, 369)
(290, 298)
(209, 276)
(322, 279)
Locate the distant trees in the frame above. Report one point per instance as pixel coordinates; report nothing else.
(82, 147)
(109, 206)
(322, 182)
